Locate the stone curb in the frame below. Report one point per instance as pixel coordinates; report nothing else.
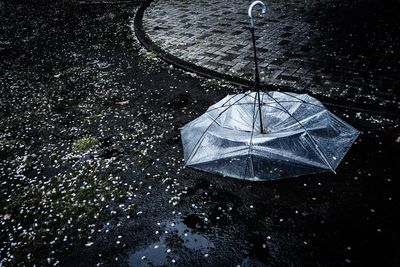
(207, 73)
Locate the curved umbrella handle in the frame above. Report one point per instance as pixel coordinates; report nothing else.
(250, 12)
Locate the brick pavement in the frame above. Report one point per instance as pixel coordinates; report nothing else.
(298, 45)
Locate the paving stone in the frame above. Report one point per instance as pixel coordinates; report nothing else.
(296, 40)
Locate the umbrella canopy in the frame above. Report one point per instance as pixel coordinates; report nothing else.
(299, 136)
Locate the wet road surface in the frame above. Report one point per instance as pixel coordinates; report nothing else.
(92, 173)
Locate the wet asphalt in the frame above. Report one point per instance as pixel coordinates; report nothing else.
(71, 71)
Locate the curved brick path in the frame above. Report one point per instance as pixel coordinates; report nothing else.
(294, 50)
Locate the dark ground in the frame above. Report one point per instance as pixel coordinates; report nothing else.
(92, 173)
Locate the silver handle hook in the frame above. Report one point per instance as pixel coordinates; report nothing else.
(250, 12)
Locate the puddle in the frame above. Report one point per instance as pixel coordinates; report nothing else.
(175, 236)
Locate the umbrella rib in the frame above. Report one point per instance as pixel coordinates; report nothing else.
(283, 158)
(305, 129)
(223, 105)
(196, 147)
(225, 155)
(304, 102)
(264, 104)
(300, 100)
(285, 93)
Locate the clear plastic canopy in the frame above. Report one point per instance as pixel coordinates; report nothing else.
(300, 137)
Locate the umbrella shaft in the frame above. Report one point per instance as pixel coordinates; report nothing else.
(257, 78)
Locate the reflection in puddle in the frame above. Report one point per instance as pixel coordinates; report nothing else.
(176, 235)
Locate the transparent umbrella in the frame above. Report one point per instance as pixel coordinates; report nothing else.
(266, 135)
